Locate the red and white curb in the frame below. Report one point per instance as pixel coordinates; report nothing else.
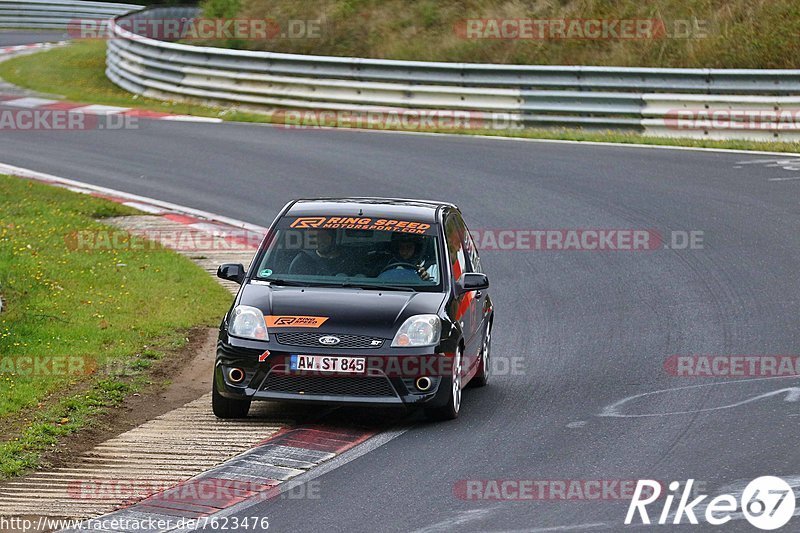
(30, 47)
(45, 104)
(239, 233)
(255, 476)
(161, 453)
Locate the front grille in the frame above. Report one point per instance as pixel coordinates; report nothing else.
(330, 386)
(312, 340)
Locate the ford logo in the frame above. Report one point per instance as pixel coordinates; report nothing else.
(329, 340)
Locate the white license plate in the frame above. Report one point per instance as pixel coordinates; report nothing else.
(328, 363)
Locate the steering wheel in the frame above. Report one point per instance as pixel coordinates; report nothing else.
(400, 264)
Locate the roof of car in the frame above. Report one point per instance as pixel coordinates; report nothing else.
(422, 210)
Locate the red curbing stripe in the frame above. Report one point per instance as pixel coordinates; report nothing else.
(61, 106)
(107, 197)
(171, 512)
(250, 239)
(321, 438)
(318, 438)
(188, 511)
(20, 47)
(202, 497)
(144, 113)
(350, 432)
(269, 440)
(181, 219)
(184, 219)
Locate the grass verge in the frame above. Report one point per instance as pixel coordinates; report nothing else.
(77, 72)
(80, 330)
(678, 33)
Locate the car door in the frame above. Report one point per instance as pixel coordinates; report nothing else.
(468, 306)
(482, 306)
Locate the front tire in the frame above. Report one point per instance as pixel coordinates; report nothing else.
(451, 409)
(225, 407)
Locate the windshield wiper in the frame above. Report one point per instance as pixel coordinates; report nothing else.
(345, 284)
(285, 282)
(373, 286)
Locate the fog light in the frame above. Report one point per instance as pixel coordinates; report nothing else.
(235, 375)
(423, 383)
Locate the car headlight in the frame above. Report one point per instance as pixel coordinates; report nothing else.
(418, 330)
(248, 322)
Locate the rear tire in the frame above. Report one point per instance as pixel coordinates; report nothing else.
(451, 409)
(482, 377)
(225, 407)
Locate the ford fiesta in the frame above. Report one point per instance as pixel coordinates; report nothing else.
(357, 301)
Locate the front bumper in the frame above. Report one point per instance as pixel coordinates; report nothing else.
(389, 379)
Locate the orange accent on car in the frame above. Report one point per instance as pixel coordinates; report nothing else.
(291, 321)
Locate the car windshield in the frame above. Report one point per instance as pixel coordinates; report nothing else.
(356, 252)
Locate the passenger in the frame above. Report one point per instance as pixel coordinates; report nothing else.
(327, 258)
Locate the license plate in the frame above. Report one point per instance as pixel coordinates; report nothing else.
(328, 363)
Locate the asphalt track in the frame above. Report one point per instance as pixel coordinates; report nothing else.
(15, 37)
(591, 328)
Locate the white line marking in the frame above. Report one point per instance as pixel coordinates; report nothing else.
(104, 110)
(575, 527)
(144, 207)
(207, 227)
(791, 164)
(29, 102)
(792, 395)
(550, 141)
(189, 118)
(788, 161)
(86, 188)
(451, 524)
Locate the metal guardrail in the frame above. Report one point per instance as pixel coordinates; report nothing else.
(57, 14)
(649, 100)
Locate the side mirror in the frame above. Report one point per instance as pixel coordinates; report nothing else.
(231, 272)
(472, 281)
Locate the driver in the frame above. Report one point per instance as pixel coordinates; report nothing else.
(326, 259)
(406, 249)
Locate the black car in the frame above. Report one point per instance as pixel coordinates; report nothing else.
(357, 301)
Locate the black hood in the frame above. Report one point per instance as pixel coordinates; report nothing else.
(358, 311)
